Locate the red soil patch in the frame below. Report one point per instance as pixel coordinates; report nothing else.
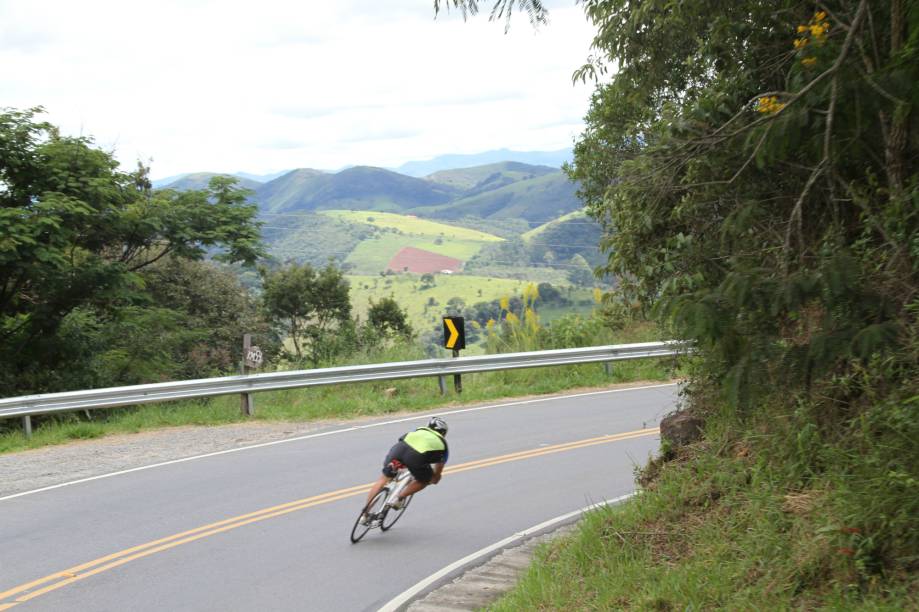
(419, 261)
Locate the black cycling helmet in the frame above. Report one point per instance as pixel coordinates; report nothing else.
(439, 425)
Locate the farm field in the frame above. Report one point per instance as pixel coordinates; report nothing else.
(372, 256)
(406, 290)
(411, 225)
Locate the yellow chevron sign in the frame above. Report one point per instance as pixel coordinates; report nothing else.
(454, 333)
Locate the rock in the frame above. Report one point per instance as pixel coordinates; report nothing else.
(390, 392)
(681, 428)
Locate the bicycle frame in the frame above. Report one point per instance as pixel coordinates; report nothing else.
(399, 482)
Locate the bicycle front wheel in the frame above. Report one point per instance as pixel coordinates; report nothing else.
(373, 508)
(390, 518)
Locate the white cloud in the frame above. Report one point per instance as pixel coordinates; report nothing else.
(227, 86)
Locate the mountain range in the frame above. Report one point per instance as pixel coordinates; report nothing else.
(504, 189)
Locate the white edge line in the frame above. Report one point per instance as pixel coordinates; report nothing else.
(406, 597)
(425, 414)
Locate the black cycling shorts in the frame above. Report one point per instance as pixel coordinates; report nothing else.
(413, 460)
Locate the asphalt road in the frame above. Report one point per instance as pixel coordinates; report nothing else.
(267, 528)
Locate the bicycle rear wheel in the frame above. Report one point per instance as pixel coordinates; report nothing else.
(391, 516)
(374, 507)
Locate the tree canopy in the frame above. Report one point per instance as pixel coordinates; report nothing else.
(755, 168)
(75, 232)
(312, 307)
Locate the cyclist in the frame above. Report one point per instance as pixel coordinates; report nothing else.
(418, 450)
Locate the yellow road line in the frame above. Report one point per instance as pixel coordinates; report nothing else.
(91, 568)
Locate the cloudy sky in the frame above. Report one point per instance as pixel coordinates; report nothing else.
(225, 86)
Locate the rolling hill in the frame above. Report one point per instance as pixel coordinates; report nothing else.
(490, 176)
(538, 199)
(445, 162)
(395, 232)
(358, 188)
(199, 180)
(505, 190)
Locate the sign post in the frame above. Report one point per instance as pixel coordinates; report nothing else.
(252, 358)
(455, 340)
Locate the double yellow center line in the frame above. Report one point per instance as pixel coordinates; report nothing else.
(52, 582)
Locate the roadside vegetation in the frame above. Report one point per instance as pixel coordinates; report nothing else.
(356, 400)
(755, 167)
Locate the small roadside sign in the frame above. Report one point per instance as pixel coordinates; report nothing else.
(254, 357)
(454, 333)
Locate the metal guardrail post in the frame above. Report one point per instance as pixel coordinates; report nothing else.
(457, 378)
(246, 403)
(27, 425)
(608, 368)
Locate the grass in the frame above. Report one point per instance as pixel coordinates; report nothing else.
(582, 304)
(406, 290)
(536, 231)
(372, 256)
(729, 523)
(412, 225)
(332, 402)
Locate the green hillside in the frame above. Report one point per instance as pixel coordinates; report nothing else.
(410, 224)
(312, 238)
(506, 190)
(287, 191)
(539, 229)
(407, 290)
(199, 180)
(372, 256)
(490, 176)
(361, 188)
(564, 238)
(388, 233)
(538, 199)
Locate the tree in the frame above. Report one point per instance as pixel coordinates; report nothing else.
(455, 305)
(388, 317)
(502, 9)
(427, 280)
(763, 192)
(75, 232)
(211, 301)
(310, 306)
(580, 273)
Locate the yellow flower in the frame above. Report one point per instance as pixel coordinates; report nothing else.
(809, 61)
(802, 29)
(505, 303)
(490, 324)
(512, 318)
(819, 16)
(800, 42)
(530, 293)
(598, 295)
(769, 104)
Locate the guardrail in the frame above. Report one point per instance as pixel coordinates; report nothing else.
(28, 405)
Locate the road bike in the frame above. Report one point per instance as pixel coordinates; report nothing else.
(379, 512)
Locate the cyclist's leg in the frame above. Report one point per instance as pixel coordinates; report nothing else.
(376, 488)
(388, 473)
(412, 488)
(422, 474)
